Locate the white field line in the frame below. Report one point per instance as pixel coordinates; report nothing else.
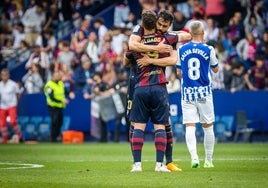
(175, 160)
(17, 165)
(14, 166)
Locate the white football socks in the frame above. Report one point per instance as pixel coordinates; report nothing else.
(209, 142)
(191, 141)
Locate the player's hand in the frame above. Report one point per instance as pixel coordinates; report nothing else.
(72, 95)
(65, 101)
(143, 62)
(164, 48)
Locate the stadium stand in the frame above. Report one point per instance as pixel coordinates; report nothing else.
(225, 126)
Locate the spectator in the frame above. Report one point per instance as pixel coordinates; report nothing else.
(213, 32)
(66, 10)
(179, 21)
(263, 44)
(78, 43)
(257, 77)
(130, 22)
(174, 84)
(262, 7)
(253, 23)
(197, 15)
(117, 40)
(120, 86)
(238, 81)
(227, 76)
(47, 41)
(235, 28)
(9, 95)
(109, 75)
(15, 18)
(121, 12)
(85, 26)
(52, 17)
(33, 19)
(215, 9)
(227, 72)
(18, 35)
(41, 58)
(246, 49)
(198, 9)
(102, 30)
(23, 52)
(108, 55)
(218, 79)
(100, 89)
(221, 51)
(107, 60)
(148, 5)
(67, 78)
(231, 7)
(85, 6)
(83, 76)
(119, 58)
(91, 49)
(8, 51)
(185, 8)
(66, 56)
(32, 80)
(226, 42)
(162, 5)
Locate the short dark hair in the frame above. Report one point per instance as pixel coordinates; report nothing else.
(149, 19)
(99, 20)
(166, 16)
(98, 73)
(237, 65)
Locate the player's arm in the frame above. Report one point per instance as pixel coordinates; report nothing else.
(163, 62)
(183, 36)
(178, 65)
(126, 61)
(213, 61)
(135, 44)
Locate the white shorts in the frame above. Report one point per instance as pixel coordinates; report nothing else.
(198, 110)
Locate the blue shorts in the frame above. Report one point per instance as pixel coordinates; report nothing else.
(130, 93)
(150, 102)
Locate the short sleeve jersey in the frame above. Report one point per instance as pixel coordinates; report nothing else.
(195, 60)
(152, 75)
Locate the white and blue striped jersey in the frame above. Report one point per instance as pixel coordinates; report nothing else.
(195, 61)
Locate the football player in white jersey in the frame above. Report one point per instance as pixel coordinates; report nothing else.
(195, 62)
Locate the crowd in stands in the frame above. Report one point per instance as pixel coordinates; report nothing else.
(237, 28)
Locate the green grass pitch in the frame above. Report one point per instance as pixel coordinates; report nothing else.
(108, 165)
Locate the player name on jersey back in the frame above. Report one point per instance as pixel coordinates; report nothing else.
(194, 51)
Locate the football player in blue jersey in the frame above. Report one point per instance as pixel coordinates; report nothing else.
(195, 62)
(164, 21)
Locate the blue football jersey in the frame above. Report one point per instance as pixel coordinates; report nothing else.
(195, 61)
